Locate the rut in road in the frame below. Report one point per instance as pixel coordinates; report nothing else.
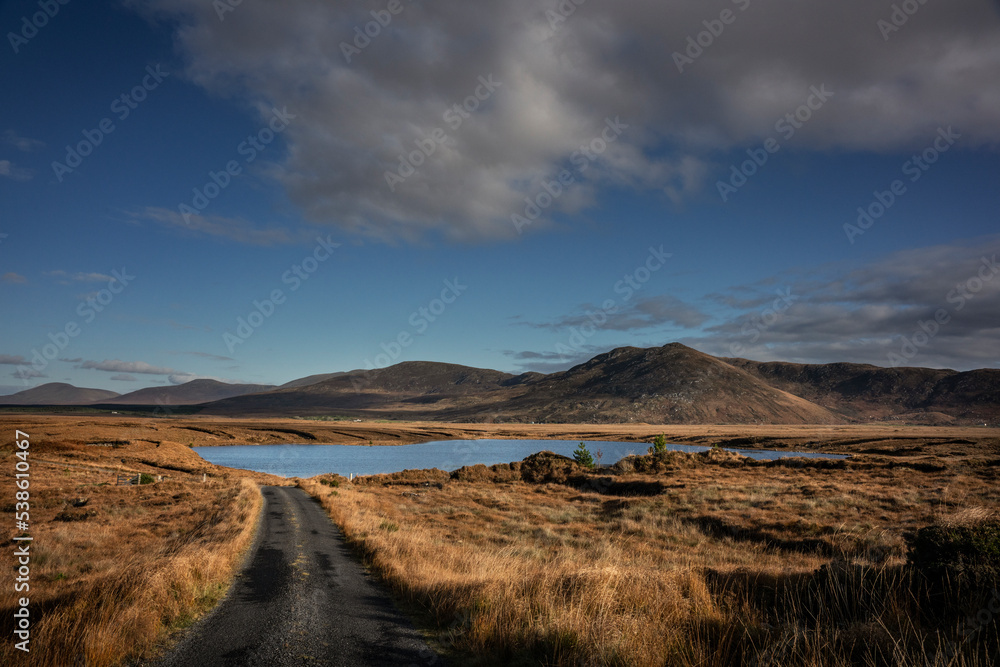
(302, 600)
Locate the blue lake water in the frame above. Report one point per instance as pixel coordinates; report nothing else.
(310, 460)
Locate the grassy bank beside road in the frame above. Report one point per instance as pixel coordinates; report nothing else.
(114, 569)
(697, 560)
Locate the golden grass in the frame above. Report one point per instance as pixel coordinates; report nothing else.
(110, 579)
(731, 565)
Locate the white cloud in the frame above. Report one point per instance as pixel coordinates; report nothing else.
(13, 172)
(233, 229)
(24, 144)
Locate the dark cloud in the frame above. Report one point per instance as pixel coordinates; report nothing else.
(934, 307)
(123, 377)
(354, 120)
(12, 359)
(656, 311)
(24, 373)
(203, 355)
(552, 362)
(118, 366)
(868, 314)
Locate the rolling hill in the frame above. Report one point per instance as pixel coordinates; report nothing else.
(672, 384)
(189, 393)
(57, 393)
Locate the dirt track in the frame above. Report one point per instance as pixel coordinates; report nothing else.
(303, 600)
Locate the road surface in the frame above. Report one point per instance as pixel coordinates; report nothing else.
(303, 600)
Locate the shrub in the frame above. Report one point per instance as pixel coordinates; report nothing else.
(966, 554)
(145, 478)
(659, 445)
(583, 457)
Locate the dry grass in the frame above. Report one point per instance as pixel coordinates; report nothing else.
(724, 566)
(732, 564)
(111, 578)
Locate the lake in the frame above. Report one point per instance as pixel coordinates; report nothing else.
(310, 460)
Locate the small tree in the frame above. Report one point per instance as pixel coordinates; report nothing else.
(659, 445)
(583, 457)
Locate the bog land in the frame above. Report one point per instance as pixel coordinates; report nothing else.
(886, 558)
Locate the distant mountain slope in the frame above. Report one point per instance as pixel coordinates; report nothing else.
(189, 393)
(864, 391)
(311, 379)
(384, 388)
(672, 384)
(57, 393)
(669, 384)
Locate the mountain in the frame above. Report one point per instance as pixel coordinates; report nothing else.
(671, 384)
(57, 393)
(405, 387)
(871, 392)
(189, 393)
(311, 379)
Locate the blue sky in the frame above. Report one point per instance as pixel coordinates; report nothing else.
(593, 95)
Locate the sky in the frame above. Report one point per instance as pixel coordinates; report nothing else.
(259, 191)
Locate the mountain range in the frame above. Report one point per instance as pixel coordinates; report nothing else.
(669, 384)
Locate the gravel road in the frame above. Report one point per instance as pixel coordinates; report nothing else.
(302, 600)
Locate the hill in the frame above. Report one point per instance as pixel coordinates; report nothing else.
(57, 393)
(869, 392)
(672, 384)
(189, 393)
(404, 387)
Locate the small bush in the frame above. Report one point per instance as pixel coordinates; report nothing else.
(145, 478)
(965, 554)
(583, 457)
(659, 445)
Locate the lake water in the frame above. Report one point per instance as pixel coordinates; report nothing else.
(310, 460)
